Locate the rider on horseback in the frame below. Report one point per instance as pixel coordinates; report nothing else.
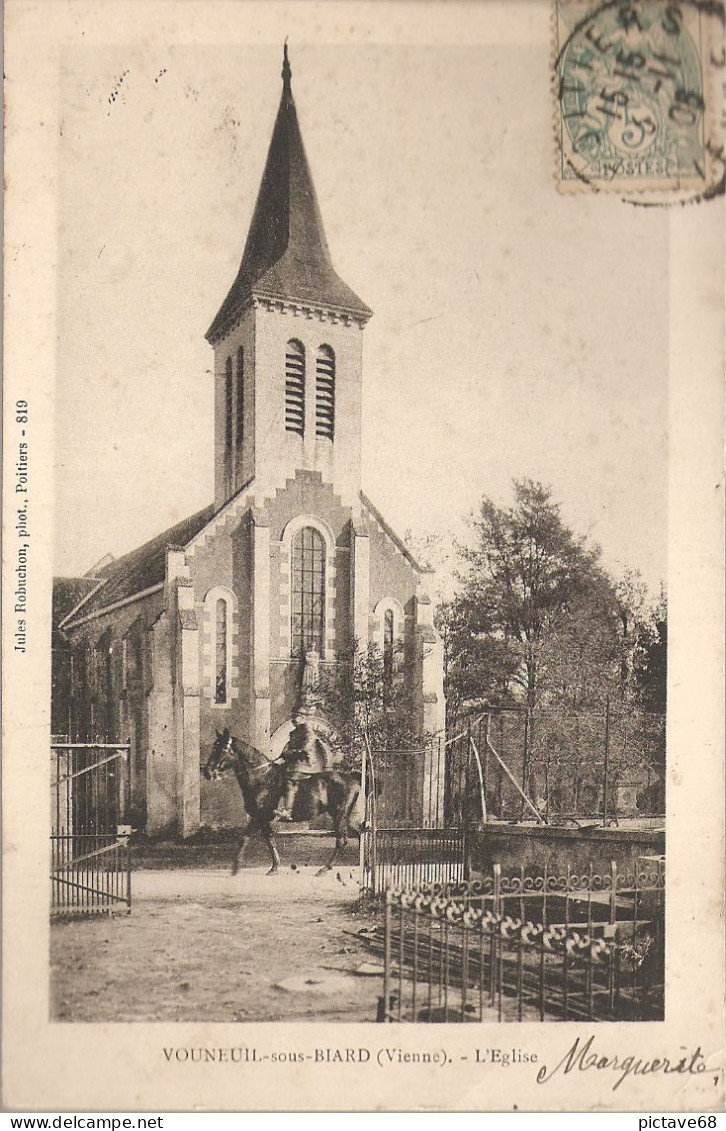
(306, 752)
(305, 756)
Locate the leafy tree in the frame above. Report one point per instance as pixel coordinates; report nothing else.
(525, 574)
(539, 629)
(478, 667)
(361, 697)
(651, 667)
(638, 616)
(581, 655)
(651, 681)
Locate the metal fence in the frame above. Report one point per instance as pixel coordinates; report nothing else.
(554, 764)
(518, 948)
(405, 858)
(416, 819)
(90, 853)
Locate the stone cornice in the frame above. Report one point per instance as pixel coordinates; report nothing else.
(293, 307)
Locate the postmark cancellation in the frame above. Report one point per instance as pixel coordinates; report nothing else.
(637, 87)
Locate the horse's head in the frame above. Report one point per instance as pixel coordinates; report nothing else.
(222, 758)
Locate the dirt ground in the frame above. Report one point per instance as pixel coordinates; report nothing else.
(201, 945)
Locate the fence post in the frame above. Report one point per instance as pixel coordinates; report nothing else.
(605, 766)
(401, 955)
(497, 870)
(387, 960)
(615, 945)
(466, 851)
(464, 793)
(525, 763)
(613, 892)
(372, 832)
(127, 816)
(464, 966)
(485, 768)
(364, 830)
(565, 957)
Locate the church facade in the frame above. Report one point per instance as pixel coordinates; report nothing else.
(217, 621)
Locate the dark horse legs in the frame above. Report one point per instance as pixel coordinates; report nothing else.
(336, 793)
(265, 830)
(341, 808)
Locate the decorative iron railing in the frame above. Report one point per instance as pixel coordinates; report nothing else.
(572, 947)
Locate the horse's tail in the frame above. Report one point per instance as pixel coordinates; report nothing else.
(355, 798)
(354, 793)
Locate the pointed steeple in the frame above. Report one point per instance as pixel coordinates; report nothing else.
(286, 255)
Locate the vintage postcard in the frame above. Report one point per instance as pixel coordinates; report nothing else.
(363, 556)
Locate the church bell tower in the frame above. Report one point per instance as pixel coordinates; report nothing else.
(287, 339)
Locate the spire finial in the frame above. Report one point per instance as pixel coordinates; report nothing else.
(286, 70)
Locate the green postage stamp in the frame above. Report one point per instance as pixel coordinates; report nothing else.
(637, 93)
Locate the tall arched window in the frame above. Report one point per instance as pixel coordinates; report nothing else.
(240, 413)
(220, 657)
(221, 647)
(228, 418)
(325, 393)
(308, 591)
(295, 387)
(388, 637)
(388, 648)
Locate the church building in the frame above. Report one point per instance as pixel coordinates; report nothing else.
(218, 621)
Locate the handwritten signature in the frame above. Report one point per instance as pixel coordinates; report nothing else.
(583, 1057)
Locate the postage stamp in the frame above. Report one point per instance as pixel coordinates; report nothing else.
(637, 93)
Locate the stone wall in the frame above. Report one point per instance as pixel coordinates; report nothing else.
(537, 846)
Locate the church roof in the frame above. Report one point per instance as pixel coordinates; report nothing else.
(144, 569)
(398, 542)
(67, 593)
(139, 570)
(286, 255)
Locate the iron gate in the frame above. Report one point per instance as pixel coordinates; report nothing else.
(419, 804)
(90, 853)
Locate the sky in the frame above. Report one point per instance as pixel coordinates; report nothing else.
(516, 332)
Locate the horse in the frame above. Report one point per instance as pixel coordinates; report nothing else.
(263, 783)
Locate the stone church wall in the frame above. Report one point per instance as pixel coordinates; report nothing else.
(117, 709)
(392, 575)
(305, 495)
(223, 565)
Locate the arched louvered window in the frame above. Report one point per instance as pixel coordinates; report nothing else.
(228, 416)
(325, 393)
(308, 591)
(295, 388)
(240, 414)
(220, 657)
(388, 648)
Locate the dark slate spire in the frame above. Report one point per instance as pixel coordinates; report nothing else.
(286, 73)
(286, 255)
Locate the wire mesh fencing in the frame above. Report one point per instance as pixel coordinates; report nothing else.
(606, 764)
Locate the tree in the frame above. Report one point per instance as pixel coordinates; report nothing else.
(581, 654)
(651, 667)
(539, 628)
(363, 698)
(651, 680)
(526, 576)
